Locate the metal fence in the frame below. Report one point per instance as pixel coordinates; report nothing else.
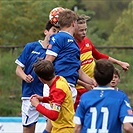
(99, 47)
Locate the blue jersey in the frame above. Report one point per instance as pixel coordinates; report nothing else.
(125, 95)
(67, 63)
(103, 110)
(30, 54)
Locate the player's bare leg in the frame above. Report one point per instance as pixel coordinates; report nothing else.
(48, 127)
(29, 129)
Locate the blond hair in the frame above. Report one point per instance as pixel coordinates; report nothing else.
(82, 19)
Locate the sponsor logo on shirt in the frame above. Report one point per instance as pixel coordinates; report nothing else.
(70, 40)
(35, 52)
(88, 61)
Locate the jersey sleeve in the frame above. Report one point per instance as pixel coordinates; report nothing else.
(54, 46)
(51, 114)
(126, 113)
(97, 55)
(57, 97)
(46, 99)
(22, 59)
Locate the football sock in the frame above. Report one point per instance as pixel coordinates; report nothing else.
(45, 131)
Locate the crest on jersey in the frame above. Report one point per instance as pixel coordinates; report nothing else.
(87, 44)
(53, 39)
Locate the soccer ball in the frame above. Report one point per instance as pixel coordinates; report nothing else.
(54, 14)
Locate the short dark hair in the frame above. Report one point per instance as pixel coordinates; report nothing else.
(44, 69)
(103, 72)
(49, 25)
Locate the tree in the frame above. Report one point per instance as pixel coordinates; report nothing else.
(104, 19)
(24, 21)
(123, 32)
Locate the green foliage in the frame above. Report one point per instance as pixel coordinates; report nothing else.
(123, 32)
(104, 17)
(96, 35)
(24, 21)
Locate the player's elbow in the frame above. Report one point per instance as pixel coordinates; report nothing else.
(17, 69)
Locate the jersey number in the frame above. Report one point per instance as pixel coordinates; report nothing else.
(104, 129)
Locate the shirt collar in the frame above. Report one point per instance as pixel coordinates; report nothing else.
(103, 88)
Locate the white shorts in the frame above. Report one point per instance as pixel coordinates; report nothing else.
(74, 91)
(29, 113)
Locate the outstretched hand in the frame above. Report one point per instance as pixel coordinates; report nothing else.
(125, 66)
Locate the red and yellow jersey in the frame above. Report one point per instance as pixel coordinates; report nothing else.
(61, 100)
(87, 55)
(62, 106)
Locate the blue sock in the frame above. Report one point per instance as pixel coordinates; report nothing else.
(45, 131)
